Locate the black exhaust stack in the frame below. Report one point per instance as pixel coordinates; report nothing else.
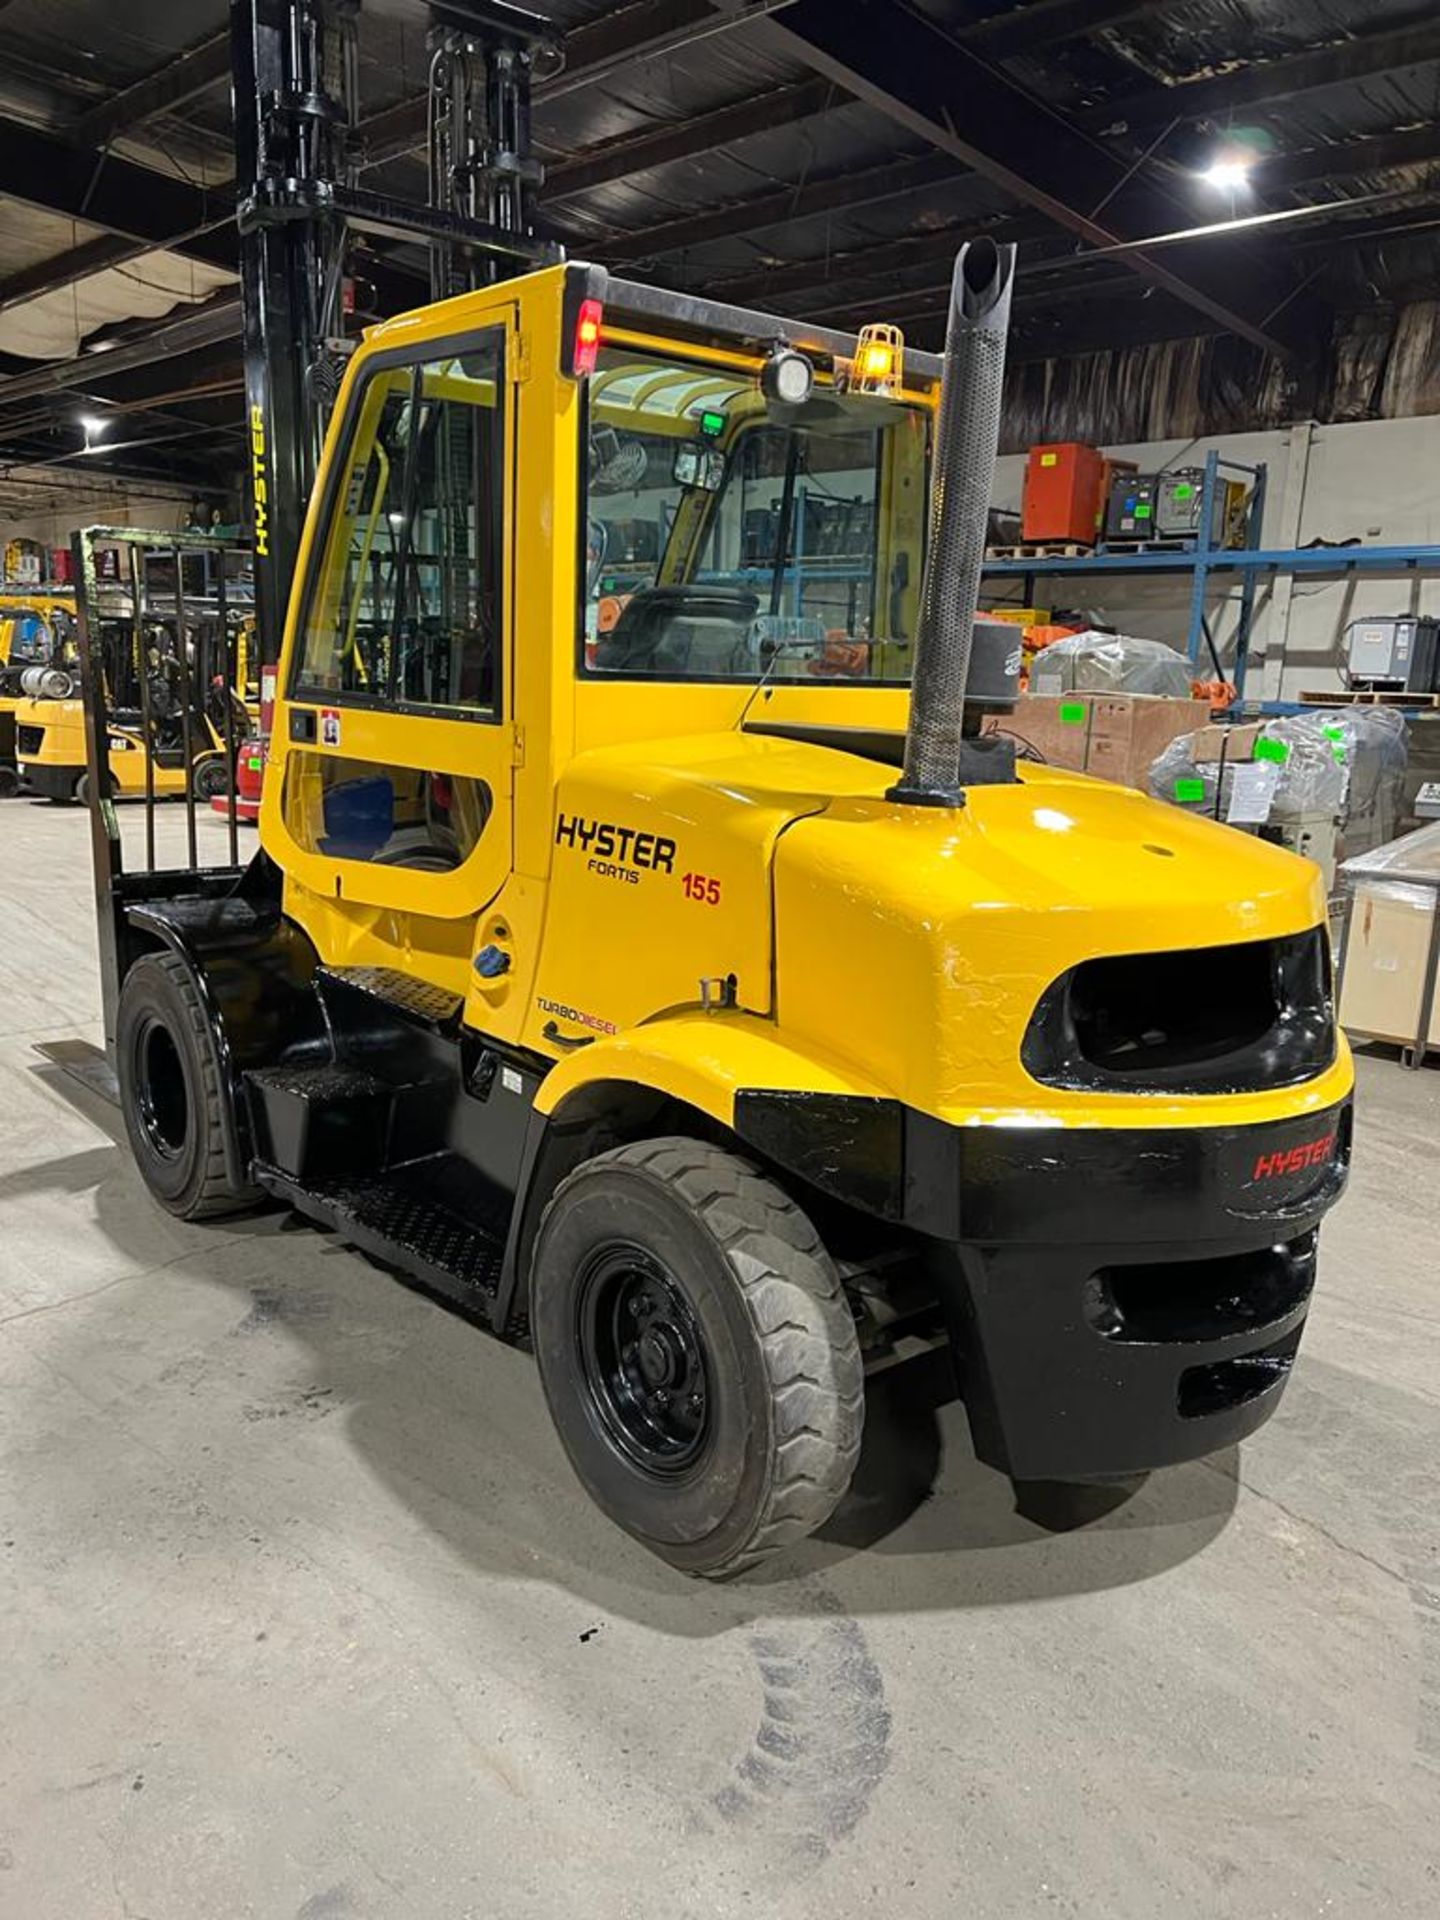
(966, 438)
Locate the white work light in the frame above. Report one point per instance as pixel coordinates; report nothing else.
(787, 377)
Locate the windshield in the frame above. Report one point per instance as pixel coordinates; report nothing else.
(728, 535)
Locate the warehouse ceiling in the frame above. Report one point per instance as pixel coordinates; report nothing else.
(819, 157)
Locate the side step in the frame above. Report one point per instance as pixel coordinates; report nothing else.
(396, 994)
(394, 1218)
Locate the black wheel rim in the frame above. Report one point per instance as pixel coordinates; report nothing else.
(160, 1095)
(643, 1357)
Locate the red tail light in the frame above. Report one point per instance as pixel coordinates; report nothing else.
(587, 336)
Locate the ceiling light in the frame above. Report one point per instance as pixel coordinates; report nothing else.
(1228, 172)
(93, 423)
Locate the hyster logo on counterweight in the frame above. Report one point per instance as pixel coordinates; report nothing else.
(618, 853)
(1312, 1153)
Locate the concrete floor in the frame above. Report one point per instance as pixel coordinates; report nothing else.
(302, 1614)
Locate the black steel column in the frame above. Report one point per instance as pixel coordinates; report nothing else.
(294, 76)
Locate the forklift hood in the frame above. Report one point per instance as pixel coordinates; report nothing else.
(912, 944)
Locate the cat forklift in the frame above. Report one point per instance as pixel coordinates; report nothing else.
(702, 1002)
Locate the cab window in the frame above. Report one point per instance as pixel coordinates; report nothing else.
(405, 608)
(727, 536)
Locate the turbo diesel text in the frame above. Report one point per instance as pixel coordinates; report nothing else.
(618, 853)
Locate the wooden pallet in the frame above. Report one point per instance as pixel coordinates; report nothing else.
(1367, 697)
(1041, 550)
(1147, 546)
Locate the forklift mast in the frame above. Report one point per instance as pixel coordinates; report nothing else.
(302, 213)
(301, 210)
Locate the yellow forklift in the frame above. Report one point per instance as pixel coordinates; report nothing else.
(176, 667)
(37, 637)
(700, 999)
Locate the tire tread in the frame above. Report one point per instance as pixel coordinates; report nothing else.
(216, 1194)
(803, 1325)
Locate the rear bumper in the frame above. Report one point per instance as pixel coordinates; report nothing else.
(51, 783)
(1119, 1299)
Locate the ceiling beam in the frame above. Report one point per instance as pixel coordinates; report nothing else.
(127, 461)
(204, 406)
(832, 193)
(139, 203)
(1048, 23)
(172, 85)
(900, 62)
(217, 319)
(1269, 80)
(62, 269)
(868, 262)
(914, 305)
(1377, 153)
(1395, 225)
(687, 139)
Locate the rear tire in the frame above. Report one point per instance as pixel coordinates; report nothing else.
(697, 1352)
(210, 778)
(172, 1092)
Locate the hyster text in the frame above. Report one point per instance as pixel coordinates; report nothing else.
(625, 846)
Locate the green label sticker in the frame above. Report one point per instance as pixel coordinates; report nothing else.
(1333, 733)
(1275, 750)
(1072, 713)
(1191, 789)
(1049, 459)
(712, 425)
(1338, 751)
(1142, 512)
(1184, 491)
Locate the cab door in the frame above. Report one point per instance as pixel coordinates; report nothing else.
(391, 806)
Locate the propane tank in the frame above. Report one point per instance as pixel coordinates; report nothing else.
(47, 683)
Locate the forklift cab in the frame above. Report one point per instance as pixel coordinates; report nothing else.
(510, 557)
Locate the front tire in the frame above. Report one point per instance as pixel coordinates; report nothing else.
(172, 1092)
(81, 792)
(697, 1353)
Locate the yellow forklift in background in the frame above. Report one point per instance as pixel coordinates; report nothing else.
(37, 633)
(702, 1000)
(179, 698)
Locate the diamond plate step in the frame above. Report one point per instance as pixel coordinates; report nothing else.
(417, 1000)
(396, 1220)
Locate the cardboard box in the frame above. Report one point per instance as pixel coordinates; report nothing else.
(1395, 898)
(1226, 743)
(1018, 616)
(1114, 736)
(1385, 961)
(1129, 730)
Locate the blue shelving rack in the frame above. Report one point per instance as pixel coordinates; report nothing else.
(1249, 563)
